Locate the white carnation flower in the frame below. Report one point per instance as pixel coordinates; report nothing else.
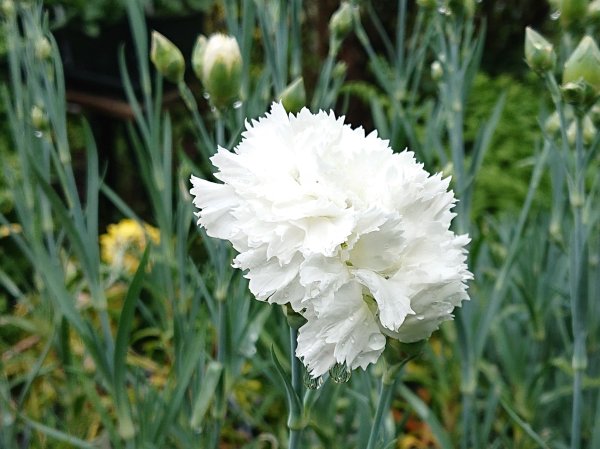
(354, 237)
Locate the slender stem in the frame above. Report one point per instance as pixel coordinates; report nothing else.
(220, 403)
(295, 431)
(385, 395)
(220, 129)
(192, 106)
(578, 287)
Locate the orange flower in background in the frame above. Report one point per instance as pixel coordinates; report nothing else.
(124, 242)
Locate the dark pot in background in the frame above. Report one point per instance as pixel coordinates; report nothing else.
(91, 64)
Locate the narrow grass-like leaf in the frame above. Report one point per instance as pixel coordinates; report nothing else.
(205, 396)
(427, 415)
(193, 352)
(126, 428)
(58, 435)
(293, 400)
(523, 425)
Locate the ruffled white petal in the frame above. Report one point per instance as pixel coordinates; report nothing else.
(345, 332)
(353, 236)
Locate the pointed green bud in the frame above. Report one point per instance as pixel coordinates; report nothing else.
(217, 62)
(572, 12)
(581, 74)
(539, 53)
(437, 71)
(293, 97)
(167, 58)
(43, 48)
(342, 21)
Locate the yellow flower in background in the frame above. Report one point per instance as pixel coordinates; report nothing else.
(124, 242)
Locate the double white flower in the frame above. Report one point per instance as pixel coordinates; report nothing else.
(353, 236)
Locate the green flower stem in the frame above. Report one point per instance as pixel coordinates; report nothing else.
(295, 423)
(577, 268)
(220, 128)
(190, 102)
(388, 385)
(578, 286)
(221, 394)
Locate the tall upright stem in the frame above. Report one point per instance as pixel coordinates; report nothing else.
(296, 366)
(221, 394)
(388, 385)
(578, 286)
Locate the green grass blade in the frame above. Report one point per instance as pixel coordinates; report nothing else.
(427, 415)
(206, 394)
(126, 429)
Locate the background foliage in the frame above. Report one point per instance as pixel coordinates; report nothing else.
(122, 325)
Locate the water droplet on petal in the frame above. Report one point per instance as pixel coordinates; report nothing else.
(340, 373)
(310, 382)
(555, 15)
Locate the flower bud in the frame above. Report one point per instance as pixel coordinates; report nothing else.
(339, 70)
(341, 21)
(588, 131)
(581, 74)
(437, 71)
(167, 58)
(217, 62)
(552, 124)
(43, 48)
(595, 114)
(293, 97)
(572, 12)
(593, 12)
(8, 8)
(539, 53)
(577, 94)
(38, 118)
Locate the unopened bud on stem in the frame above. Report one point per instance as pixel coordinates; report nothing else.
(539, 53)
(293, 97)
(43, 48)
(341, 21)
(581, 75)
(167, 58)
(8, 8)
(437, 71)
(217, 62)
